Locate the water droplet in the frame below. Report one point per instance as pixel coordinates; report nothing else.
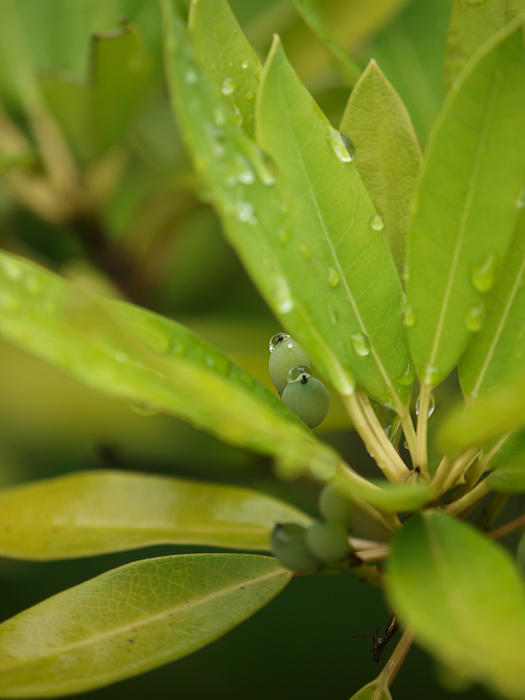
(284, 236)
(431, 375)
(339, 146)
(408, 376)
(521, 200)
(376, 222)
(475, 316)
(245, 211)
(191, 76)
(361, 344)
(246, 176)
(9, 303)
(178, 347)
(409, 317)
(483, 275)
(305, 251)
(143, 409)
(333, 277)
(228, 86)
(283, 295)
(261, 162)
(332, 313)
(431, 405)
(12, 269)
(217, 139)
(245, 64)
(249, 96)
(404, 273)
(297, 373)
(219, 116)
(276, 339)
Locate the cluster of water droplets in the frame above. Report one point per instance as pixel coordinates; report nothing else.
(431, 406)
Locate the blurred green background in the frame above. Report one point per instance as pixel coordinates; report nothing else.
(95, 184)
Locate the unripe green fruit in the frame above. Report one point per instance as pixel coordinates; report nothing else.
(308, 398)
(285, 353)
(327, 542)
(335, 505)
(287, 543)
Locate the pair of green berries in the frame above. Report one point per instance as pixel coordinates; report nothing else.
(289, 367)
(324, 543)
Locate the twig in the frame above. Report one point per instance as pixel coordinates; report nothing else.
(507, 529)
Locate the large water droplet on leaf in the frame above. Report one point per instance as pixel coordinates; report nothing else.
(228, 86)
(333, 277)
(282, 295)
(305, 251)
(339, 146)
(483, 275)
(376, 222)
(408, 376)
(474, 317)
(361, 344)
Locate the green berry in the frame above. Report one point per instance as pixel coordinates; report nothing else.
(285, 353)
(308, 398)
(327, 542)
(287, 543)
(335, 505)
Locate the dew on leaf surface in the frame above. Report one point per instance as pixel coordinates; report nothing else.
(409, 317)
(283, 295)
(249, 95)
(284, 236)
(361, 344)
(245, 64)
(333, 277)
(483, 275)
(228, 86)
(305, 251)
(191, 77)
(474, 317)
(376, 222)
(521, 200)
(339, 146)
(408, 376)
(332, 313)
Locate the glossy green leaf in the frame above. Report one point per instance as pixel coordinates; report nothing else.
(463, 596)
(264, 218)
(336, 237)
(470, 185)
(130, 620)
(94, 512)
(388, 157)
(390, 498)
(222, 48)
(312, 13)
(471, 24)
(372, 691)
(509, 478)
(95, 113)
(146, 359)
(507, 449)
(496, 351)
(502, 411)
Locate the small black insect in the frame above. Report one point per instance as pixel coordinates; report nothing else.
(381, 642)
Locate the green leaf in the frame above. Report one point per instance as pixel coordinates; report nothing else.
(95, 113)
(337, 239)
(471, 181)
(509, 448)
(502, 411)
(471, 24)
(91, 513)
(388, 157)
(222, 48)
(130, 620)
(510, 478)
(496, 351)
(463, 596)
(312, 14)
(146, 359)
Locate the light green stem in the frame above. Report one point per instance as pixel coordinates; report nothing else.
(491, 511)
(469, 499)
(425, 395)
(394, 663)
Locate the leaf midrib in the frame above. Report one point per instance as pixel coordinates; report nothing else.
(400, 408)
(168, 612)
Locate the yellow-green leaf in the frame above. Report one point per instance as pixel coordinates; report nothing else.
(130, 620)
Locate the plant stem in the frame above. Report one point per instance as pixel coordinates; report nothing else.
(393, 470)
(394, 663)
(469, 499)
(459, 467)
(507, 529)
(425, 394)
(373, 555)
(491, 511)
(410, 435)
(358, 543)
